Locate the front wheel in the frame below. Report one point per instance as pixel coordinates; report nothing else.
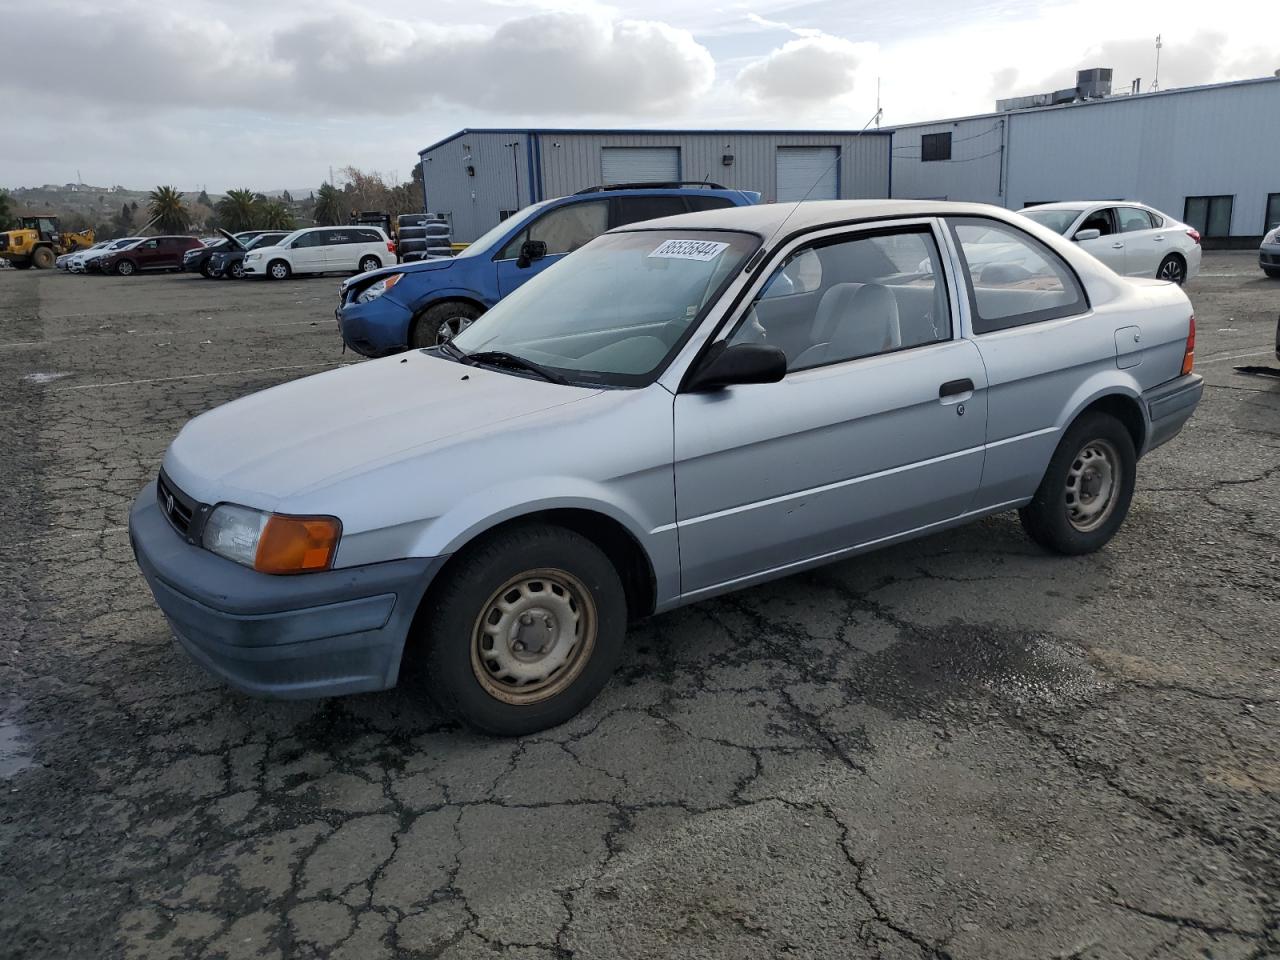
(441, 323)
(369, 263)
(1271, 271)
(524, 630)
(1172, 268)
(278, 270)
(236, 271)
(1085, 494)
(126, 268)
(42, 258)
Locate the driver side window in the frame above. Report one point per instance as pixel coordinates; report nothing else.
(563, 230)
(1099, 220)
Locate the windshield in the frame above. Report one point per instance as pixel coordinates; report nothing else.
(1059, 221)
(263, 240)
(614, 312)
(491, 236)
(125, 243)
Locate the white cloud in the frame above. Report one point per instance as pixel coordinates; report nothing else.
(811, 70)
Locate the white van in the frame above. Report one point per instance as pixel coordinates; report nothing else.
(351, 249)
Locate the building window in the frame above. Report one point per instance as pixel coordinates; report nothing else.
(1273, 212)
(1211, 216)
(935, 146)
(503, 214)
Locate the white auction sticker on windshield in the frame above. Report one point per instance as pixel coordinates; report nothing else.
(689, 250)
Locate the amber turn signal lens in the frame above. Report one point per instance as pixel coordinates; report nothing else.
(297, 544)
(1189, 354)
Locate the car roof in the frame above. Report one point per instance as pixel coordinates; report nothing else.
(767, 218)
(1085, 204)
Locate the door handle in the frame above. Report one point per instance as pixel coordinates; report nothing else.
(1117, 246)
(953, 387)
(1158, 239)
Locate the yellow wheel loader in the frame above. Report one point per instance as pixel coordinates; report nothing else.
(38, 243)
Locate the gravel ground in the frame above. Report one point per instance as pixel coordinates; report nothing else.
(960, 747)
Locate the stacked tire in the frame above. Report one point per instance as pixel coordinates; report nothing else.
(423, 236)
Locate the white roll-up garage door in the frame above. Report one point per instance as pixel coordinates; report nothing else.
(640, 164)
(808, 172)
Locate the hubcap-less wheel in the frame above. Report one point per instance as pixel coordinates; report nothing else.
(451, 328)
(533, 636)
(279, 271)
(125, 268)
(237, 271)
(1172, 270)
(1092, 485)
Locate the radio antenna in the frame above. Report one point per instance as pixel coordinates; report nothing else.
(875, 117)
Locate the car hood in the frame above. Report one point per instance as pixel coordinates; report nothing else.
(302, 436)
(414, 266)
(232, 239)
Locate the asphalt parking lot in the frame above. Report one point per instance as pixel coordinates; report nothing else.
(957, 748)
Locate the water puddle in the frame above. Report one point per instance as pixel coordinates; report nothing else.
(15, 750)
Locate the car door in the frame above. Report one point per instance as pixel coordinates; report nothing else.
(147, 253)
(309, 252)
(563, 229)
(1107, 246)
(1027, 322)
(1144, 246)
(170, 252)
(877, 428)
(338, 252)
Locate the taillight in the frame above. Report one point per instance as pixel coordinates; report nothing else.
(1189, 354)
(391, 247)
(1194, 234)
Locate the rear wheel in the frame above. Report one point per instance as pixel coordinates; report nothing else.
(524, 630)
(369, 263)
(42, 258)
(126, 268)
(442, 322)
(1172, 268)
(278, 270)
(1085, 494)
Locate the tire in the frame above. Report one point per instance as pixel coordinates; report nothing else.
(410, 246)
(278, 270)
(368, 263)
(412, 233)
(42, 258)
(235, 271)
(1095, 461)
(205, 271)
(24, 264)
(411, 257)
(562, 593)
(126, 268)
(439, 251)
(1174, 268)
(411, 219)
(1272, 272)
(441, 322)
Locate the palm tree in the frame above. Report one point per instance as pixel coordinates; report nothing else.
(239, 210)
(328, 205)
(168, 211)
(6, 212)
(274, 215)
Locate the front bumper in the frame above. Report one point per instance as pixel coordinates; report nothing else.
(374, 329)
(319, 634)
(1269, 256)
(1169, 407)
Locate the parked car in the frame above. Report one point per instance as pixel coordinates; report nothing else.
(196, 260)
(228, 263)
(427, 302)
(353, 249)
(150, 254)
(1132, 239)
(64, 262)
(87, 260)
(1269, 253)
(649, 423)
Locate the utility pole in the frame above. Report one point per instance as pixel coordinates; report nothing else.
(1155, 83)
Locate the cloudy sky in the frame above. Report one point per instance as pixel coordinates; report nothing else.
(224, 93)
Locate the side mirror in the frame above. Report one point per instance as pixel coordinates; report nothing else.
(741, 363)
(530, 251)
(1090, 234)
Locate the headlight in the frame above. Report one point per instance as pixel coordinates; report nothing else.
(269, 542)
(375, 290)
(253, 256)
(1273, 236)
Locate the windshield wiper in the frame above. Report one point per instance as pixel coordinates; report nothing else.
(450, 351)
(500, 358)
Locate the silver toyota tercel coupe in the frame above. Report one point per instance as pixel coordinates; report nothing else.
(681, 408)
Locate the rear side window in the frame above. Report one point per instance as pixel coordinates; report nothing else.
(635, 209)
(707, 203)
(1013, 279)
(1131, 219)
(368, 236)
(337, 237)
(312, 239)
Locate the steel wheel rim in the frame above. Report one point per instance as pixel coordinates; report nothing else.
(451, 328)
(1172, 270)
(1093, 482)
(533, 636)
(278, 271)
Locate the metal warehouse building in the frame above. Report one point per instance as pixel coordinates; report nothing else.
(1209, 155)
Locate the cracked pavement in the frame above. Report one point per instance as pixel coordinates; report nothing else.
(956, 748)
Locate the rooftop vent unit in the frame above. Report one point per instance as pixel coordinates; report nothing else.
(1093, 84)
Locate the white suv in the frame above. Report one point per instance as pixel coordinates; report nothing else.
(353, 249)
